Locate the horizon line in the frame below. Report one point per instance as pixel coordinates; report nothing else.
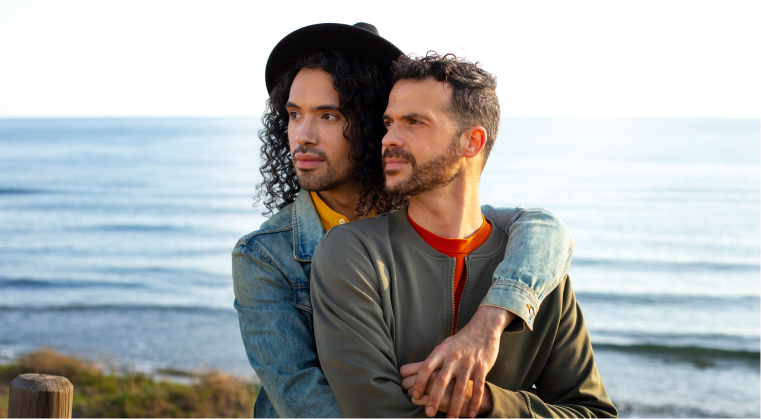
(125, 117)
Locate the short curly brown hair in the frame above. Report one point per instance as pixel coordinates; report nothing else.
(474, 99)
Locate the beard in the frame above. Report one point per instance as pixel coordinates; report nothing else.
(330, 177)
(438, 172)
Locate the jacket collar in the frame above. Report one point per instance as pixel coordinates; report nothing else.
(307, 228)
(492, 244)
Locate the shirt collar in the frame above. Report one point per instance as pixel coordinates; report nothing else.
(328, 217)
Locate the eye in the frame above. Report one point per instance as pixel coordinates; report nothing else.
(415, 122)
(294, 115)
(388, 124)
(330, 117)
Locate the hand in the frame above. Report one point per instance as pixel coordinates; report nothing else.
(408, 383)
(467, 356)
(486, 405)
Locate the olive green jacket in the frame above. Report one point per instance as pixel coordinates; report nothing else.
(381, 299)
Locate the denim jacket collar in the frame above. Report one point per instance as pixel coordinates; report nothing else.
(307, 228)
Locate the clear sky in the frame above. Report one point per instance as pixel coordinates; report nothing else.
(191, 58)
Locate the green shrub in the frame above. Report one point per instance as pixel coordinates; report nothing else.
(133, 395)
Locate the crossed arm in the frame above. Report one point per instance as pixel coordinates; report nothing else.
(354, 328)
(279, 342)
(537, 257)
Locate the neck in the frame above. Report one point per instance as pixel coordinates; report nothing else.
(453, 211)
(343, 200)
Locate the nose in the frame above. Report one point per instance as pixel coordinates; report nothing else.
(392, 138)
(304, 132)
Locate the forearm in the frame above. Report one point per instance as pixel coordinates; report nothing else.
(569, 384)
(537, 258)
(524, 404)
(353, 340)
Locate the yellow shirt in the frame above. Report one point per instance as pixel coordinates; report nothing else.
(328, 217)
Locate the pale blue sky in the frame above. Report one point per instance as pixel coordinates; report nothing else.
(191, 58)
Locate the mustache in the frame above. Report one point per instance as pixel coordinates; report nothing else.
(310, 150)
(398, 153)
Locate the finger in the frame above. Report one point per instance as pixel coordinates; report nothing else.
(421, 401)
(410, 369)
(459, 393)
(440, 385)
(431, 381)
(424, 373)
(479, 381)
(408, 382)
(444, 404)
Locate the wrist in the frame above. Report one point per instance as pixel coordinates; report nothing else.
(496, 318)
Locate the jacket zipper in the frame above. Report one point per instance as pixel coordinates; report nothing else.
(452, 329)
(464, 287)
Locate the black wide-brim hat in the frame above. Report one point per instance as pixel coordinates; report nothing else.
(361, 39)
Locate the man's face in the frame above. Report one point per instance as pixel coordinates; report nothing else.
(315, 132)
(421, 150)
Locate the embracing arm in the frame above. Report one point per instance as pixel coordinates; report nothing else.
(277, 337)
(537, 257)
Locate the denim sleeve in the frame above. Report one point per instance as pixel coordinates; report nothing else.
(277, 337)
(537, 257)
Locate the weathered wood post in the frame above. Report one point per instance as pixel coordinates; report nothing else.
(40, 396)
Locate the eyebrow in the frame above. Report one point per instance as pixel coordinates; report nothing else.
(409, 116)
(333, 108)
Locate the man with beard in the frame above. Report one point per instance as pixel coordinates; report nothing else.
(321, 167)
(389, 299)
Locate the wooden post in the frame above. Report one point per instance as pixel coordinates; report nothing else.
(40, 396)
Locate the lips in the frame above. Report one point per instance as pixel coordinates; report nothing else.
(392, 163)
(307, 160)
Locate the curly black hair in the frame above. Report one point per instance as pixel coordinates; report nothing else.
(363, 94)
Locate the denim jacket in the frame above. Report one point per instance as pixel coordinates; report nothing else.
(271, 272)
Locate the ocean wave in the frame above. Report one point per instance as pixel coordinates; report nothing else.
(133, 228)
(657, 265)
(641, 410)
(115, 307)
(669, 299)
(21, 191)
(124, 277)
(41, 283)
(682, 351)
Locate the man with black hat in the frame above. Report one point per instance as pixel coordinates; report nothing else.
(322, 167)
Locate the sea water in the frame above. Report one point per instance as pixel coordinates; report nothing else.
(115, 240)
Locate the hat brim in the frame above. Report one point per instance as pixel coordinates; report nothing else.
(324, 36)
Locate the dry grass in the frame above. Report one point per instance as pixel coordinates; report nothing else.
(133, 395)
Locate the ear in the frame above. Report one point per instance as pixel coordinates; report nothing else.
(476, 138)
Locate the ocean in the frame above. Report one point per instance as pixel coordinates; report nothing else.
(115, 241)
